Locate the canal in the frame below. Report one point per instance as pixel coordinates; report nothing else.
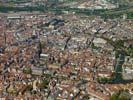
(118, 68)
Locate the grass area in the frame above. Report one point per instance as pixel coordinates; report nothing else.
(114, 13)
(18, 1)
(130, 15)
(7, 9)
(118, 12)
(68, 1)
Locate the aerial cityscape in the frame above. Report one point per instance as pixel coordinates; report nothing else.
(66, 49)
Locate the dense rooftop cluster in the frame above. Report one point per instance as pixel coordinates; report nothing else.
(64, 57)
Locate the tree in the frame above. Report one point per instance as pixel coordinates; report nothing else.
(86, 97)
(120, 95)
(27, 70)
(115, 96)
(43, 84)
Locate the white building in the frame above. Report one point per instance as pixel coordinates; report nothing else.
(99, 42)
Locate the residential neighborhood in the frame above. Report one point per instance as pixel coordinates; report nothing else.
(67, 56)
